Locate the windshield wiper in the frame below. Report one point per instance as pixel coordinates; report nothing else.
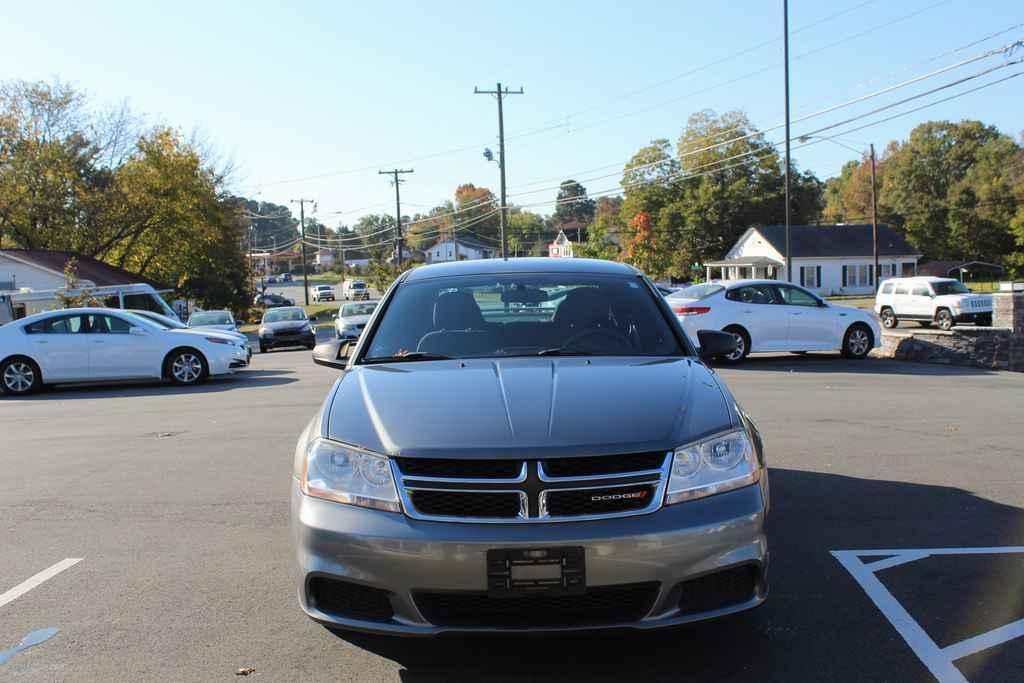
(558, 351)
(412, 356)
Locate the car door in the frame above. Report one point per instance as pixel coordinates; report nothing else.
(812, 324)
(919, 302)
(121, 349)
(59, 348)
(756, 309)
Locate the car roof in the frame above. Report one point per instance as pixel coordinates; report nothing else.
(85, 310)
(924, 278)
(497, 266)
(286, 308)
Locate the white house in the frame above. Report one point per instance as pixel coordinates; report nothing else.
(43, 269)
(468, 250)
(561, 247)
(323, 259)
(830, 259)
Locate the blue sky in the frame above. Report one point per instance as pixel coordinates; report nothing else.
(329, 88)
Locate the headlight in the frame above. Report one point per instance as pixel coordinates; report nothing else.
(217, 340)
(266, 332)
(345, 475)
(721, 463)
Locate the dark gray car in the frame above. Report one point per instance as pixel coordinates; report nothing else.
(285, 326)
(527, 445)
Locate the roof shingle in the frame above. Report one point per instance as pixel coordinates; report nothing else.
(837, 240)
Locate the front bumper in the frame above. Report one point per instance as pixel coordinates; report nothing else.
(976, 317)
(390, 551)
(278, 340)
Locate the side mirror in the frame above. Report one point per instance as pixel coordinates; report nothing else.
(714, 343)
(333, 353)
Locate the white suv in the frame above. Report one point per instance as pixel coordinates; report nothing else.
(926, 300)
(320, 293)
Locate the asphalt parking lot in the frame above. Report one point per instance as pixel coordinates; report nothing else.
(174, 502)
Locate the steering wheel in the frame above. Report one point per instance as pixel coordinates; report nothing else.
(620, 339)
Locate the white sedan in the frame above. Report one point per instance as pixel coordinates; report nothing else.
(768, 315)
(103, 344)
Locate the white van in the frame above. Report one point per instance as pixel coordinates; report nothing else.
(926, 300)
(138, 296)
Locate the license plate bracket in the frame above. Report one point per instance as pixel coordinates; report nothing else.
(515, 572)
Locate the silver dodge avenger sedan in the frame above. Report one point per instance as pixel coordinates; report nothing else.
(527, 445)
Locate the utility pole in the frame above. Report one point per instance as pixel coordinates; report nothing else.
(785, 58)
(500, 93)
(302, 243)
(398, 210)
(874, 216)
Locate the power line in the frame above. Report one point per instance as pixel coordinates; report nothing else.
(990, 53)
(684, 175)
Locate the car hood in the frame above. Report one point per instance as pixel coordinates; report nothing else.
(221, 328)
(286, 325)
(200, 332)
(528, 407)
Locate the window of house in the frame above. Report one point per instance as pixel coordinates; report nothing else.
(809, 276)
(858, 275)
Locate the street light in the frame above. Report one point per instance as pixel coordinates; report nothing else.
(874, 193)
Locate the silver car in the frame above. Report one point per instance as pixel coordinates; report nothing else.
(484, 463)
(352, 318)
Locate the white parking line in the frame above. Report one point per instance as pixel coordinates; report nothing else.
(30, 583)
(938, 660)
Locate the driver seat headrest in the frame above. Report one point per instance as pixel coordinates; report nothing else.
(583, 307)
(457, 311)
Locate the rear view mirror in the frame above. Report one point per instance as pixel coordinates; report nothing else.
(333, 353)
(714, 343)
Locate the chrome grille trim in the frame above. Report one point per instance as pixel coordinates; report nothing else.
(518, 479)
(539, 486)
(656, 501)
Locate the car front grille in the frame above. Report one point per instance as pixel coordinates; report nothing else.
(489, 504)
(459, 469)
(598, 606)
(512, 490)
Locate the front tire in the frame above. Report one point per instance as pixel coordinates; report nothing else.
(263, 348)
(20, 376)
(742, 346)
(889, 319)
(857, 342)
(944, 319)
(186, 367)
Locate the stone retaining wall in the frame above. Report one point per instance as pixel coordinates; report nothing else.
(1000, 347)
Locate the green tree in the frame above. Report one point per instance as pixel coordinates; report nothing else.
(942, 173)
(573, 205)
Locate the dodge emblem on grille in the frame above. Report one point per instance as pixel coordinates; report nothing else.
(619, 496)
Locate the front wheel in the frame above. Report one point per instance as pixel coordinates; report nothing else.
(857, 342)
(20, 376)
(742, 346)
(889, 319)
(944, 319)
(186, 367)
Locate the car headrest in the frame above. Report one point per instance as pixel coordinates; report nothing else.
(583, 307)
(457, 311)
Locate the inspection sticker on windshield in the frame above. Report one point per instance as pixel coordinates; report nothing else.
(863, 565)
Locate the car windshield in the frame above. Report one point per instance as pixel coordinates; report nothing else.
(358, 285)
(522, 315)
(697, 291)
(278, 315)
(161, 321)
(950, 287)
(358, 309)
(210, 318)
